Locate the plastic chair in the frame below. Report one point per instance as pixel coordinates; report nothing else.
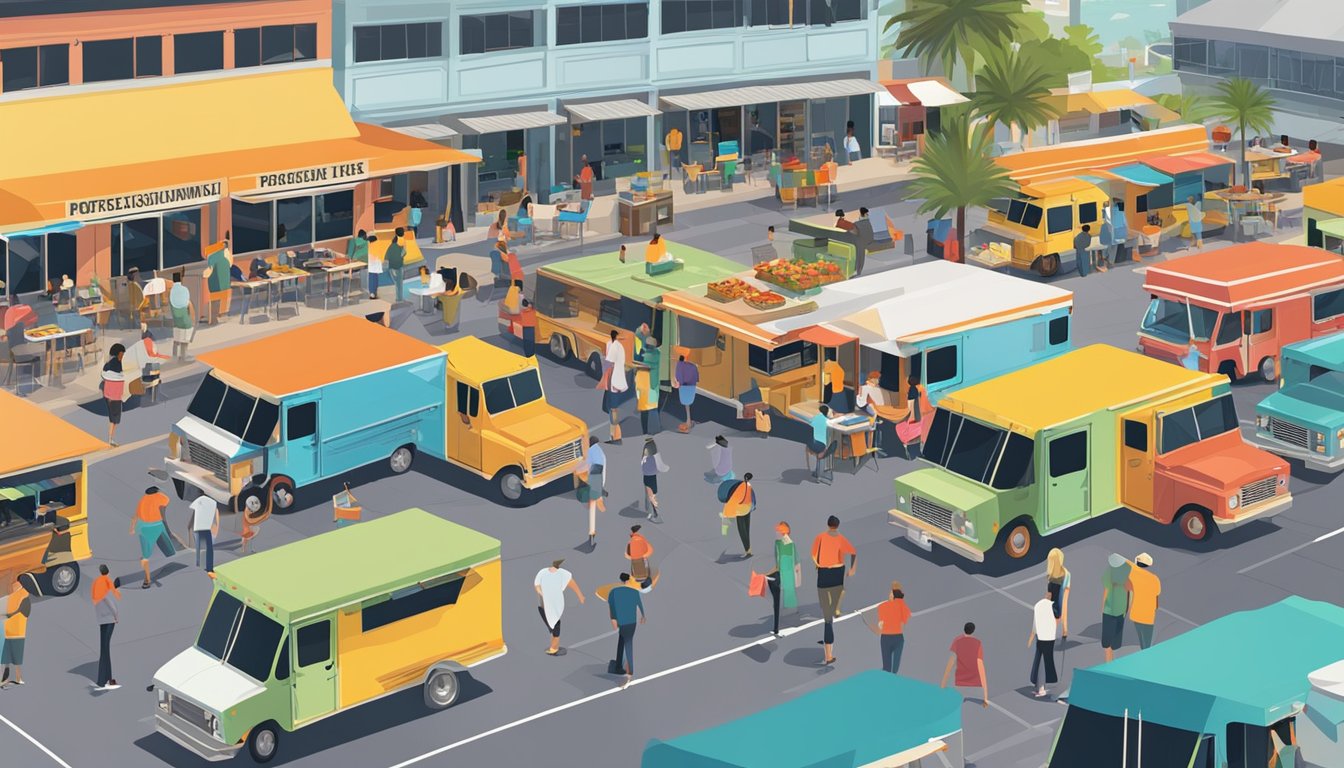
(579, 218)
(17, 357)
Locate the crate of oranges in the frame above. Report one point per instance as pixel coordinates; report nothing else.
(798, 275)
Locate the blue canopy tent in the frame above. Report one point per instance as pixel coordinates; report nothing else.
(870, 717)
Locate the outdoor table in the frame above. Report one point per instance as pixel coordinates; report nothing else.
(427, 291)
(269, 283)
(100, 312)
(50, 335)
(846, 432)
(346, 273)
(476, 269)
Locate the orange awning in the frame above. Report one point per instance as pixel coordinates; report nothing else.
(50, 438)
(823, 336)
(1077, 157)
(1195, 161)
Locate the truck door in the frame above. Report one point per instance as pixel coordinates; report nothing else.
(300, 453)
(464, 428)
(1068, 497)
(315, 670)
(1257, 338)
(1136, 462)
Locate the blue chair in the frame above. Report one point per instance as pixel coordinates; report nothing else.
(578, 218)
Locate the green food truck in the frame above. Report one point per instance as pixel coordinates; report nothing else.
(310, 629)
(1305, 419)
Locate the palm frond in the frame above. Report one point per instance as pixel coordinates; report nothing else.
(956, 169)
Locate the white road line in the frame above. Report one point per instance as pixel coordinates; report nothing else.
(1293, 550)
(591, 640)
(35, 742)
(126, 448)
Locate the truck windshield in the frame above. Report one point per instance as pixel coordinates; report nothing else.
(240, 636)
(1099, 741)
(512, 391)
(248, 418)
(988, 455)
(1178, 322)
(1198, 422)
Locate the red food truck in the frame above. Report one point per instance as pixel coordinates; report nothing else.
(1239, 306)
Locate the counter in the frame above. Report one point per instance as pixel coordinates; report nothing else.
(641, 216)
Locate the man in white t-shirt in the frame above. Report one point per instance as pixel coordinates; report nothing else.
(551, 584)
(205, 526)
(1043, 629)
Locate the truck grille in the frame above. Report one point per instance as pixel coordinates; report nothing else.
(556, 457)
(189, 713)
(1260, 490)
(1289, 433)
(207, 459)
(934, 514)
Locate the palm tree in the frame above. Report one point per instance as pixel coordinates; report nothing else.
(1191, 107)
(1012, 90)
(941, 30)
(956, 171)
(1246, 104)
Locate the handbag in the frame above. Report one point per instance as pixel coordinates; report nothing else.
(605, 381)
(584, 493)
(757, 586)
(762, 421)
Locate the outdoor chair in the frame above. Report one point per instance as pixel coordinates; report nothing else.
(543, 216)
(18, 357)
(578, 218)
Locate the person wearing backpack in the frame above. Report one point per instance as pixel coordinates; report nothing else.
(739, 505)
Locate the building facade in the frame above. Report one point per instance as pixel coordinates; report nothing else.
(556, 81)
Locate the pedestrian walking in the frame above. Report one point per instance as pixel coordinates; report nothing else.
(18, 607)
(685, 379)
(527, 318)
(1082, 258)
(828, 555)
(1058, 578)
(551, 584)
(892, 615)
(148, 526)
(1145, 590)
(968, 660)
(1194, 213)
(720, 461)
(113, 385)
(597, 468)
(739, 506)
(204, 529)
(396, 260)
(626, 608)
(646, 391)
(1114, 603)
(1043, 633)
(650, 464)
(184, 320)
(615, 384)
(1107, 237)
(787, 575)
(377, 264)
(638, 551)
(105, 597)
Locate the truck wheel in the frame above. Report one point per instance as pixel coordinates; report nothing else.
(282, 494)
(401, 459)
(1047, 265)
(1194, 523)
(263, 742)
(509, 482)
(1016, 540)
(595, 365)
(252, 503)
(559, 347)
(61, 580)
(180, 486)
(1269, 371)
(441, 689)
(1228, 369)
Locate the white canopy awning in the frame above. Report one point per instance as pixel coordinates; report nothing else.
(620, 109)
(511, 121)
(932, 93)
(760, 94)
(426, 131)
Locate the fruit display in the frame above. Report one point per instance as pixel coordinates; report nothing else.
(732, 289)
(764, 300)
(798, 274)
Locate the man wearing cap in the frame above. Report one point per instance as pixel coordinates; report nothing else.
(551, 584)
(1114, 602)
(1144, 591)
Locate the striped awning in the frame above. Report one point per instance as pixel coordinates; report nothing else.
(426, 131)
(511, 121)
(620, 109)
(762, 94)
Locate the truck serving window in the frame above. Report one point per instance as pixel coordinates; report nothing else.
(234, 411)
(412, 601)
(240, 636)
(512, 391)
(781, 359)
(1199, 422)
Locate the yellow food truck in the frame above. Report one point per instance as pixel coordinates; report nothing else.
(44, 521)
(301, 632)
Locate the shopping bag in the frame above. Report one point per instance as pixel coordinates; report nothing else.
(757, 586)
(605, 381)
(762, 421)
(584, 493)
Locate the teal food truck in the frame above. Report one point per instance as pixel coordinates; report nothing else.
(1305, 418)
(1224, 695)
(871, 720)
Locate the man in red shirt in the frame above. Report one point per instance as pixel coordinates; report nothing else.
(828, 555)
(891, 618)
(968, 656)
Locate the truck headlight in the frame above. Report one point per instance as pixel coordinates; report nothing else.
(214, 726)
(1320, 438)
(959, 523)
(1261, 421)
(1340, 437)
(1233, 501)
(900, 501)
(174, 445)
(970, 530)
(1283, 480)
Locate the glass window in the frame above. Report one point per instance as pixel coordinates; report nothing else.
(282, 662)
(1016, 209)
(219, 624)
(54, 64)
(1253, 61)
(1087, 213)
(1017, 465)
(20, 68)
(277, 44)
(109, 60)
(390, 41)
(181, 237)
(1259, 321)
(468, 399)
(262, 425)
(253, 224)
(601, 23)
(471, 35)
(60, 258)
(254, 646)
(140, 244)
(1191, 54)
(198, 52)
(784, 358)
(1201, 322)
(25, 264)
(1031, 217)
(412, 601)
(1136, 435)
(511, 392)
(1058, 331)
(1068, 454)
(1325, 306)
(148, 56)
(247, 47)
(568, 26)
(293, 221)
(1179, 430)
(941, 364)
(1059, 219)
(368, 44)
(205, 403)
(1222, 56)
(313, 643)
(972, 454)
(1167, 319)
(235, 412)
(1229, 330)
(496, 32)
(417, 45)
(335, 215)
(305, 42)
(301, 421)
(941, 432)
(393, 41)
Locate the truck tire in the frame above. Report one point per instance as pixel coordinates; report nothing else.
(1228, 369)
(1016, 538)
(559, 347)
(595, 365)
(1269, 369)
(1193, 523)
(263, 742)
(61, 580)
(1047, 265)
(180, 486)
(401, 459)
(441, 688)
(509, 485)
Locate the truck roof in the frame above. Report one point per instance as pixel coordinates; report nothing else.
(324, 352)
(322, 572)
(1074, 157)
(1326, 351)
(604, 272)
(1073, 385)
(1327, 196)
(480, 360)
(1246, 667)
(1246, 273)
(49, 437)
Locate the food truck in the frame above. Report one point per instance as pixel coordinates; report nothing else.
(1321, 732)
(1304, 419)
(947, 324)
(276, 414)
(313, 628)
(874, 718)
(1323, 204)
(44, 517)
(1240, 305)
(1072, 438)
(580, 301)
(1217, 695)
(1041, 223)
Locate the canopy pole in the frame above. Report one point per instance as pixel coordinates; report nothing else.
(1124, 744)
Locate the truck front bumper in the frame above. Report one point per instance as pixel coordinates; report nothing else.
(1311, 459)
(1260, 511)
(195, 742)
(925, 536)
(198, 477)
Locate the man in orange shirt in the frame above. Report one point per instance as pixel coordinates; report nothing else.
(638, 552)
(18, 607)
(891, 618)
(828, 555)
(585, 178)
(148, 525)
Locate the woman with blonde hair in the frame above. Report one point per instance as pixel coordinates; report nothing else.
(1058, 578)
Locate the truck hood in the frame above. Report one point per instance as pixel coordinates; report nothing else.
(212, 437)
(1309, 404)
(946, 488)
(1230, 465)
(534, 429)
(211, 683)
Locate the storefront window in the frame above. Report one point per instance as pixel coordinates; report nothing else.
(335, 215)
(35, 66)
(181, 238)
(792, 128)
(252, 226)
(1253, 62)
(198, 52)
(140, 245)
(25, 264)
(60, 257)
(293, 221)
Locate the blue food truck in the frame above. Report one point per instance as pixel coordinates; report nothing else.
(1305, 418)
(1227, 694)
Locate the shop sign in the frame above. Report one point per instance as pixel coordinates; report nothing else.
(316, 176)
(180, 196)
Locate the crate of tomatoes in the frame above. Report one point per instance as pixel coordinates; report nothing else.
(798, 275)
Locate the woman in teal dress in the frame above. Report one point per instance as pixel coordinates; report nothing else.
(784, 579)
